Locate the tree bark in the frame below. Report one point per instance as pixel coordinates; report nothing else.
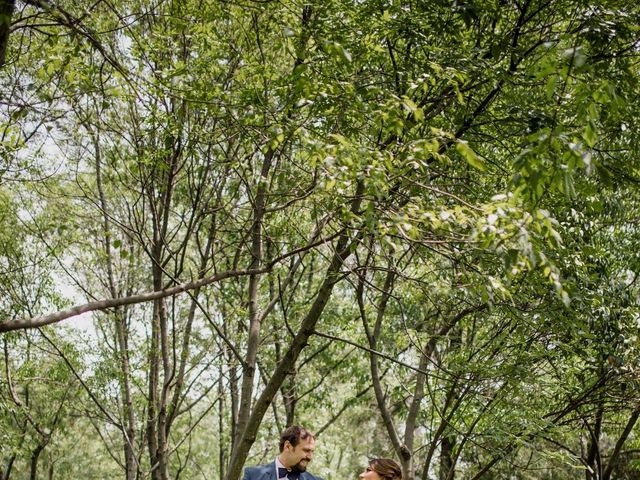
(446, 458)
(162, 364)
(129, 420)
(158, 353)
(7, 472)
(33, 461)
(6, 12)
(152, 408)
(255, 319)
(442, 427)
(372, 336)
(289, 397)
(414, 409)
(231, 362)
(613, 460)
(221, 423)
(593, 454)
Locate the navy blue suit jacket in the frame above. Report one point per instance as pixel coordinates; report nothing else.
(268, 472)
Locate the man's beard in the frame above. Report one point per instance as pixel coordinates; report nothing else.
(299, 467)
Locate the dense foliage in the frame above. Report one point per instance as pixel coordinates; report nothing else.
(410, 226)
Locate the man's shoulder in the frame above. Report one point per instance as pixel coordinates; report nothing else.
(309, 476)
(259, 470)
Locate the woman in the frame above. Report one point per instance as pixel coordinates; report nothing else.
(382, 469)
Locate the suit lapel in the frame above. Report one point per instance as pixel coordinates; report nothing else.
(270, 472)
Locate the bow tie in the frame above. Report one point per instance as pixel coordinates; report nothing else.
(291, 475)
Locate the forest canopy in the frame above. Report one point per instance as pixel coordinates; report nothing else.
(408, 225)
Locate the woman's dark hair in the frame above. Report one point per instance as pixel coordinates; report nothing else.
(385, 467)
(293, 435)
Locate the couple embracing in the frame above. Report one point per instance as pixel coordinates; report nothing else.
(297, 445)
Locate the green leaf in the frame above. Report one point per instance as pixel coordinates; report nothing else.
(470, 156)
(590, 135)
(550, 86)
(410, 106)
(340, 139)
(569, 189)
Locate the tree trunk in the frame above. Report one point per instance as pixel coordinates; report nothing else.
(35, 457)
(6, 12)
(129, 424)
(414, 409)
(289, 397)
(593, 454)
(7, 472)
(153, 393)
(446, 458)
(613, 460)
(255, 319)
(156, 410)
(401, 449)
(157, 402)
(233, 384)
(161, 367)
(221, 423)
(129, 420)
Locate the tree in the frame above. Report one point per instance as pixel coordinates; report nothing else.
(244, 194)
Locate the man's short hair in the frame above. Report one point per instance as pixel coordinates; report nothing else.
(293, 435)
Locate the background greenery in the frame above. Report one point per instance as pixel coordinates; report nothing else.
(410, 226)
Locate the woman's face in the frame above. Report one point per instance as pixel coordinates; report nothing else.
(370, 474)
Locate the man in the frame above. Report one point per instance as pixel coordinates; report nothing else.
(296, 452)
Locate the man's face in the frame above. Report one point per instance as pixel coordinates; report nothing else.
(298, 457)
